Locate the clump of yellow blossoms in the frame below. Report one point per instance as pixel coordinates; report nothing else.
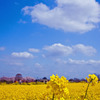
(92, 79)
(58, 87)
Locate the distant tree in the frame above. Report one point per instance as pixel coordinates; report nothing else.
(44, 78)
(83, 80)
(18, 78)
(71, 80)
(76, 80)
(36, 81)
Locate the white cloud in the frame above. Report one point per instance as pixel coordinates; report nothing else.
(77, 62)
(16, 64)
(60, 61)
(87, 50)
(22, 54)
(71, 61)
(34, 50)
(2, 48)
(68, 15)
(38, 65)
(59, 49)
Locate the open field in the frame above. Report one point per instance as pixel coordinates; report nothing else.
(34, 92)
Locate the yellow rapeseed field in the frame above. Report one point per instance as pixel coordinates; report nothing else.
(56, 89)
(34, 92)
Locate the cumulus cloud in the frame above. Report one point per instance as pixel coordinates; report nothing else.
(22, 54)
(34, 50)
(68, 15)
(87, 50)
(2, 48)
(59, 49)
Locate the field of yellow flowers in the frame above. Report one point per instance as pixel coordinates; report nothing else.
(55, 89)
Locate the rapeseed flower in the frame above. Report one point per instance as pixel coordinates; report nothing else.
(92, 79)
(58, 87)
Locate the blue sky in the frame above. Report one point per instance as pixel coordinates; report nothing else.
(43, 37)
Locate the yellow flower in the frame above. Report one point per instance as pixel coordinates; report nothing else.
(58, 87)
(92, 79)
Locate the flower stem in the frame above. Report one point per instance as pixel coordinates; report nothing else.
(53, 97)
(86, 90)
